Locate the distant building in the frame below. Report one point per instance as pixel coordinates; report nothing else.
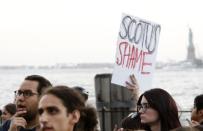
(191, 49)
(190, 62)
(191, 57)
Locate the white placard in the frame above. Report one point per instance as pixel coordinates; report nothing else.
(136, 51)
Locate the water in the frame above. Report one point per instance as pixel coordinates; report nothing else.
(183, 85)
(10, 79)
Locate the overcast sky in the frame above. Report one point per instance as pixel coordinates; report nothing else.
(45, 32)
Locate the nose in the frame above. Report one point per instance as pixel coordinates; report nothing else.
(43, 118)
(141, 111)
(20, 97)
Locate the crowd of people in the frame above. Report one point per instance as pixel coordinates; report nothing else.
(40, 106)
(157, 111)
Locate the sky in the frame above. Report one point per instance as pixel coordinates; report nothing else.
(46, 32)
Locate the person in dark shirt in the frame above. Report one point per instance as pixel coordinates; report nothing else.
(26, 99)
(8, 111)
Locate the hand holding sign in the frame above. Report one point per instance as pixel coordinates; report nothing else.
(133, 87)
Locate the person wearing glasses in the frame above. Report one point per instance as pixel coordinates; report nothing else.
(26, 99)
(63, 109)
(158, 110)
(8, 111)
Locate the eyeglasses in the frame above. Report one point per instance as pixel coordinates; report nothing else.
(143, 106)
(26, 93)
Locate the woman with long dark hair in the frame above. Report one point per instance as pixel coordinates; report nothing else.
(158, 110)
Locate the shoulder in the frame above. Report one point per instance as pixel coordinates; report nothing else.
(6, 125)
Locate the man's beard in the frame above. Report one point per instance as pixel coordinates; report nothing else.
(30, 115)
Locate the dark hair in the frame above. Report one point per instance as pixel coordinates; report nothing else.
(72, 100)
(198, 102)
(164, 104)
(43, 82)
(82, 91)
(10, 108)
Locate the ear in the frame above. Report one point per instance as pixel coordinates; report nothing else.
(76, 116)
(201, 112)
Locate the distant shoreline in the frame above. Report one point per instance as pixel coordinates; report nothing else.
(62, 66)
(159, 65)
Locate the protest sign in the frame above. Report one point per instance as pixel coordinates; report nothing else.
(136, 51)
